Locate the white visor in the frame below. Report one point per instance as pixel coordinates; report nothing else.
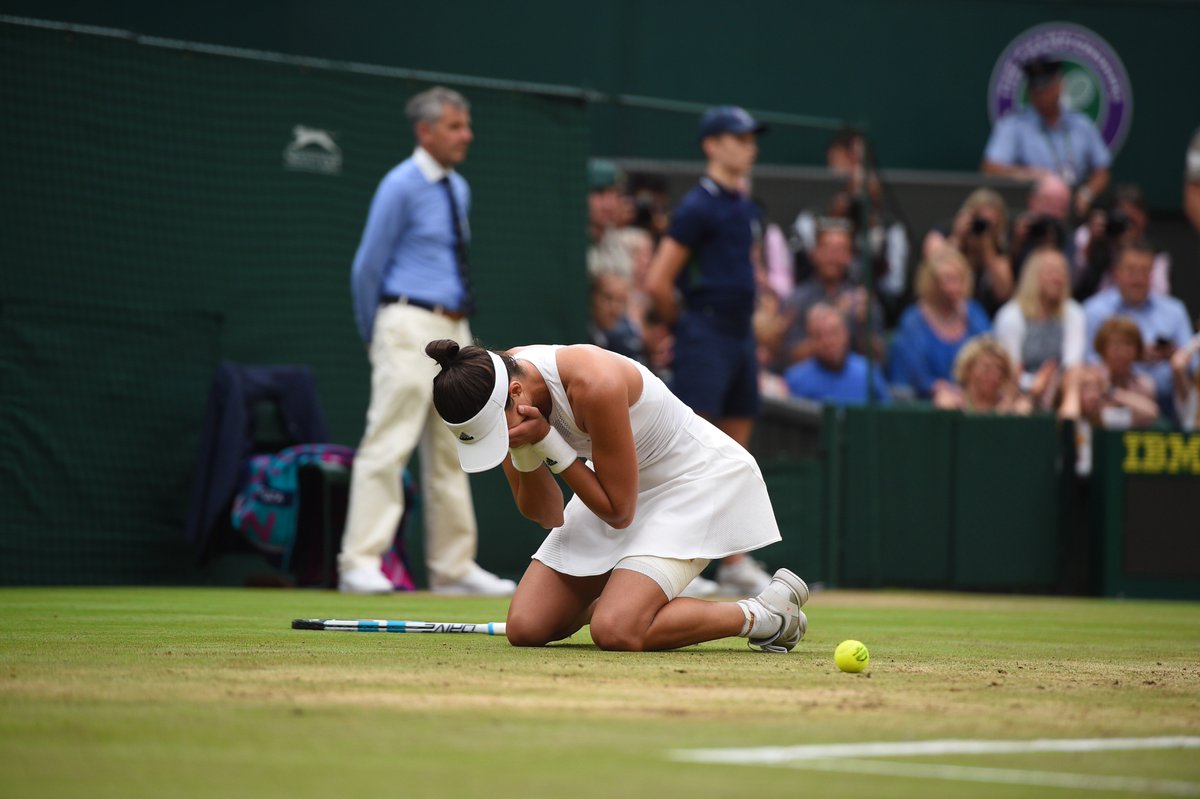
(483, 439)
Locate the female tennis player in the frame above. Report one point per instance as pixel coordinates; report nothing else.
(661, 493)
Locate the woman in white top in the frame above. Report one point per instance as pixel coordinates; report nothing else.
(1041, 326)
(661, 494)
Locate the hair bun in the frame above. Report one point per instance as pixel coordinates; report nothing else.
(444, 351)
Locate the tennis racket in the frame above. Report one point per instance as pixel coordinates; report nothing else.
(391, 626)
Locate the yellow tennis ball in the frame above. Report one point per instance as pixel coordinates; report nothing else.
(851, 656)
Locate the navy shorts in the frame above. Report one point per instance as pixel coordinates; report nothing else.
(715, 371)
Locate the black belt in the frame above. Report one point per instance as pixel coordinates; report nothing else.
(441, 310)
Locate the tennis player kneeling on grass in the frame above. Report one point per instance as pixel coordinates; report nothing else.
(662, 493)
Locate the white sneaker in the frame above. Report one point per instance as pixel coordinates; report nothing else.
(701, 588)
(479, 582)
(364, 580)
(783, 597)
(745, 577)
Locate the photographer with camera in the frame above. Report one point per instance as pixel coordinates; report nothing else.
(1106, 232)
(980, 232)
(1043, 223)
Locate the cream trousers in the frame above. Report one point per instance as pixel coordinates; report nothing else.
(400, 419)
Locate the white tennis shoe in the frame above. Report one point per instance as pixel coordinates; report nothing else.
(364, 580)
(701, 588)
(477, 582)
(744, 577)
(783, 597)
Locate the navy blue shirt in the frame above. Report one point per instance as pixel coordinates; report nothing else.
(718, 227)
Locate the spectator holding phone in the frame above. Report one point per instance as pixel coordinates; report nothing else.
(1112, 394)
(1162, 320)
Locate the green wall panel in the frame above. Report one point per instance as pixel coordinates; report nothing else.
(897, 495)
(916, 73)
(146, 192)
(1006, 503)
(942, 499)
(797, 491)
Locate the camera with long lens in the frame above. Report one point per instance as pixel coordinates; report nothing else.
(644, 211)
(980, 225)
(1117, 225)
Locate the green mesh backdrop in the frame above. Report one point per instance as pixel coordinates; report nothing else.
(161, 213)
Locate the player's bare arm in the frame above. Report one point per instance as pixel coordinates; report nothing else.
(600, 387)
(537, 494)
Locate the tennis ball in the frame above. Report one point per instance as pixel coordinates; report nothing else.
(851, 656)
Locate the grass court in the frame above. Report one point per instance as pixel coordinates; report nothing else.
(138, 692)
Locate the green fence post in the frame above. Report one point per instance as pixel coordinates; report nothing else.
(831, 442)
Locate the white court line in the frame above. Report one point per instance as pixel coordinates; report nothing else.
(1041, 779)
(788, 754)
(843, 758)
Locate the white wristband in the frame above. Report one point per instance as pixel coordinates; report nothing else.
(557, 453)
(525, 458)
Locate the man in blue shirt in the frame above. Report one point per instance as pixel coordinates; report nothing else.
(833, 373)
(1046, 138)
(702, 282)
(410, 285)
(1162, 319)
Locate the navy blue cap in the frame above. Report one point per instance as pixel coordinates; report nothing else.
(728, 119)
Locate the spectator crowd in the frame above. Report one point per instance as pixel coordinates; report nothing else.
(1062, 306)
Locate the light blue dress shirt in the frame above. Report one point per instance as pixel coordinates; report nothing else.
(1073, 149)
(408, 245)
(1158, 317)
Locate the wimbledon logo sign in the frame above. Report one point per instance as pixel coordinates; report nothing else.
(1095, 82)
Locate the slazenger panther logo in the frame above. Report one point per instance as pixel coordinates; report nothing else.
(1095, 82)
(312, 150)
(465, 437)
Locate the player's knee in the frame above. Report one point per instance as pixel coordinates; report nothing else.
(525, 630)
(525, 636)
(612, 635)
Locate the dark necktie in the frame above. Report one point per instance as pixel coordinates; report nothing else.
(460, 249)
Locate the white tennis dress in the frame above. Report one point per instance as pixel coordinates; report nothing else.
(700, 494)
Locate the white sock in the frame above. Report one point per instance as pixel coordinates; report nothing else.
(760, 622)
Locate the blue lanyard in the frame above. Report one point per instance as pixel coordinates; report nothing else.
(1064, 166)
